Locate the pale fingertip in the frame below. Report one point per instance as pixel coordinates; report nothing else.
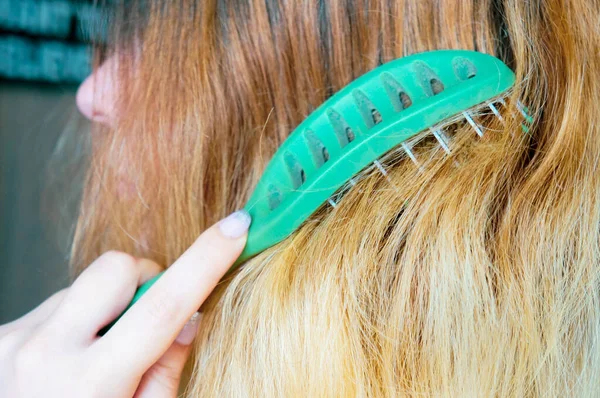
(188, 333)
(236, 224)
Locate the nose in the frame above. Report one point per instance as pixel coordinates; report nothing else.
(96, 95)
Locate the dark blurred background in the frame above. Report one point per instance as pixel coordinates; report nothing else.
(44, 55)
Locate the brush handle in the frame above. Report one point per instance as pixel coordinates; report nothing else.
(138, 294)
(144, 288)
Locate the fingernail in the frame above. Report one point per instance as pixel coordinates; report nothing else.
(187, 334)
(236, 224)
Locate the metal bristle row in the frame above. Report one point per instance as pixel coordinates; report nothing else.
(444, 140)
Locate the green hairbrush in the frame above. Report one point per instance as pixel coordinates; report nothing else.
(372, 115)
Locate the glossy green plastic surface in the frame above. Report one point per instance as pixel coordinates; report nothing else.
(372, 115)
(359, 124)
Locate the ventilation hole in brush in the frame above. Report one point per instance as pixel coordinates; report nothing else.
(350, 134)
(405, 100)
(463, 68)
(369, 113)
(428, 79)
(325, 154)
(340, 127)
(376, 116)
(295, 169)
(396, 93)
(316, 147)
(274, 197)
(436, 86)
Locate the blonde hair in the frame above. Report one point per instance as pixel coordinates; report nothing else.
(478, 276)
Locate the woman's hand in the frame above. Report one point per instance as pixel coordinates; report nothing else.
(54, 350)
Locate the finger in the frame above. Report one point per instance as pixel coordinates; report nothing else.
(37, 315)
(162, 379)
(148, 269)
(100, 294)
(16, 333)
(149, 327)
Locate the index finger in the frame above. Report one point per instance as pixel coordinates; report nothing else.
(150, 326)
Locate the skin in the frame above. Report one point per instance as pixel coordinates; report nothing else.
(96, 94)
(54, 350)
